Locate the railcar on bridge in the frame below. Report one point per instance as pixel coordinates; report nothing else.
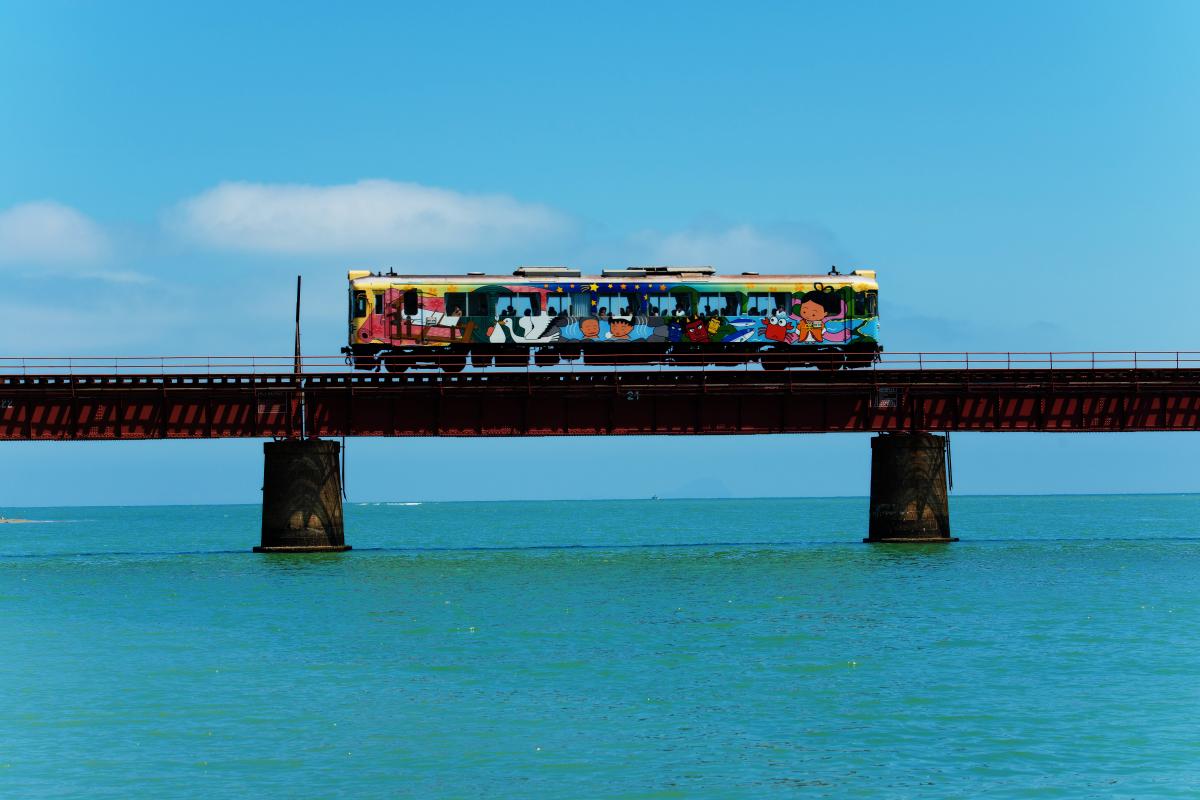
(639, 315)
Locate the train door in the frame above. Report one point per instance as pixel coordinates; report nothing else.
(408, 315)
(358, 308)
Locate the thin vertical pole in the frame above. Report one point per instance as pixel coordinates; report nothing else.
(298, 368)
(949, 464)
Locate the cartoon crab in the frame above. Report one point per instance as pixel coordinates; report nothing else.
(776, 325)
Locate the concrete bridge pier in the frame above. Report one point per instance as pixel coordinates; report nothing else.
(908, 489)
(302, 497)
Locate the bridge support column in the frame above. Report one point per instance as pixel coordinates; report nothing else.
(302, 497)
(908, 489)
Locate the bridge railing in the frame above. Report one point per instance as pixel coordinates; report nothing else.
(1061, 359)
(604, 361)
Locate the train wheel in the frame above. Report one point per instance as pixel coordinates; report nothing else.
(829, 362)
(774, 362)
(365, 362)
(481, 360)
(592, 358)
(394, 363)
(689, 359)
(544, 359)
(858, 360)
(512, 360)
(452, 363)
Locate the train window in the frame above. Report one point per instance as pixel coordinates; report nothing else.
(477, 305)
(659, 305)
(456, 303)
(558, 304)
(860, 304)
(616, 305)
(713, 305)
(516, 305)
(783, 301)
(360, 304)
(681, 302)
(759, 303)
(379, 302)
(411, 303)
(872, 303)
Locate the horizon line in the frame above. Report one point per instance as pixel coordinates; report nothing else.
(623, 499)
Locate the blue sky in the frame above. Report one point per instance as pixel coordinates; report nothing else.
(1022, 175)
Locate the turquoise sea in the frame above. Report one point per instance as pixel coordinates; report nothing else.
(633, 649)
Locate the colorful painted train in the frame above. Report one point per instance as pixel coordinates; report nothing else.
(645, 315)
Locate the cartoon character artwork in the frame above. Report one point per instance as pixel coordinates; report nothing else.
(696, 330)
(813, 314)
(505, 331)
(590, 328)
(619, 328)
(776, 326)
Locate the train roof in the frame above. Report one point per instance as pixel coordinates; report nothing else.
(533, 275)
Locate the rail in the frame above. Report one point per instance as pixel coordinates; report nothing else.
(602, 361)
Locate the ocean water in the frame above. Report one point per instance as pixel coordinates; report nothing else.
(632, 649)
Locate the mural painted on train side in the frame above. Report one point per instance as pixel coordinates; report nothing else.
(615, 313)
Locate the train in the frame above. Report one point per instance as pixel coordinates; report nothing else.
(635, 315)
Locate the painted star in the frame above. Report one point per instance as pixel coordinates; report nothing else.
(662, 287)
(596, 286)
(558, 288)
(622, 286)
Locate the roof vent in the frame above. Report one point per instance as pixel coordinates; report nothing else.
(476, 274)
(645, 271)
(749, 273)
(546, 272)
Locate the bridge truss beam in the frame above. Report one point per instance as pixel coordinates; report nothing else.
(555, 403)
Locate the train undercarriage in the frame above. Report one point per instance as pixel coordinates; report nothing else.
(455, 358)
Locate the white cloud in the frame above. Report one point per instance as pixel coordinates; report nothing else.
(46, 232)
(368, 217)
(739, 248)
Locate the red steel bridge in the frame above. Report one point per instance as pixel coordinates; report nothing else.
(266, 397)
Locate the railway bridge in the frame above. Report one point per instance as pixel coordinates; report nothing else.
(303, 405)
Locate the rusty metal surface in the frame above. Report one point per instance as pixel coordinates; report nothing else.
(267, 365)
(613, 402)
